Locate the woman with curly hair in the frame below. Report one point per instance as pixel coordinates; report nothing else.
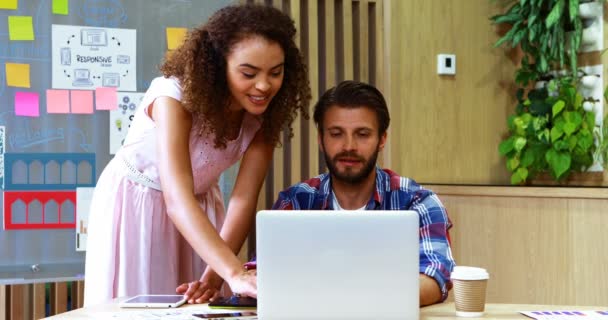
(157, 216)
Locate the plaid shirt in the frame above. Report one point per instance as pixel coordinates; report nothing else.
(393, 192)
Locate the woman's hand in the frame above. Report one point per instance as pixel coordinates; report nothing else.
(244, 283)
(206, 289)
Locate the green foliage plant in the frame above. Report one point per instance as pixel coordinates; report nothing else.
(549, 132)
(548, 32)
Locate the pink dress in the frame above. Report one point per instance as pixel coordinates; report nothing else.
(133, 247)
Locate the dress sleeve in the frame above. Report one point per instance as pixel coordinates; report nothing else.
(162, 87)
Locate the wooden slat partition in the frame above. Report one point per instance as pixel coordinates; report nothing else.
(16, 301)
(310, 46)
(295, 146)
(329, 37)
(3, 302)
(338, 43)
(59, 297)
(38, 300)
(28, 301)
(347, 38)
(77, 294)
(363, 35)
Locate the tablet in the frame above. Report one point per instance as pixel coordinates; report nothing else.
(154, 301)
(220, 316)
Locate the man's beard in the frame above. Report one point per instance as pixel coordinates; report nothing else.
(350, 177)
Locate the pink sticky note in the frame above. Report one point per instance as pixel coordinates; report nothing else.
(27, 104)
(57, 101)
(106, 98)
(81, 101)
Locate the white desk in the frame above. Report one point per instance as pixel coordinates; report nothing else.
(444, 311)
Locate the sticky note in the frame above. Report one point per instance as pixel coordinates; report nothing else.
(175, 37)
(106, 98)
(8, 4)
(60, 7)
(81, 101)
(27, 104)
(17, 75)
(20, 28)
(57, 101)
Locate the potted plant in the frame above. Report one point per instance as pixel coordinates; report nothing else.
(548, 33)
(550, 132)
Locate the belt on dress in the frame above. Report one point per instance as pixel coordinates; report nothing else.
(136, 176)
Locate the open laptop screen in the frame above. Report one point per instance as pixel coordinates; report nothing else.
(337, 264)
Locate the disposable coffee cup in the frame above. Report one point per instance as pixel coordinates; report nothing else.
(470, 291)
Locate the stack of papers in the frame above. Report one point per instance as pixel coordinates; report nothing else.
(567, 314)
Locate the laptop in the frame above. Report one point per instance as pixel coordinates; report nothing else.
(337, 264)
(81, 78)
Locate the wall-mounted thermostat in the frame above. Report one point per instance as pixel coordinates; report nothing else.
(446, 64)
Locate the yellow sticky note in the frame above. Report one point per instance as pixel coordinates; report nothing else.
(17, 75)
(60, 7)
(175, 37)
(20, 28)
(8, 4)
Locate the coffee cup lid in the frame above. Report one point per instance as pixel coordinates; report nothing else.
(469, 273)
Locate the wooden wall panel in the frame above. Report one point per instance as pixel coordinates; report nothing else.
(538, 248)
(447, 129)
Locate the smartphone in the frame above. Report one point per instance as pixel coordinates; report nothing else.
(234, 302)
(251, 265)
(153, 301)
(225, 315)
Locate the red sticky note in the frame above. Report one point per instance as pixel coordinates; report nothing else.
(27, 104)
(57, 101)
(81, 101)
(106, 98)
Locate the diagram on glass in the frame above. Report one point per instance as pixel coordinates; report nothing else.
(87, 58)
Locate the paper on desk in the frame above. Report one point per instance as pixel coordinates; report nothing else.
(566, 314)
(164, 314)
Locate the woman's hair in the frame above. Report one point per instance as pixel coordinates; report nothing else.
(200, 65)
